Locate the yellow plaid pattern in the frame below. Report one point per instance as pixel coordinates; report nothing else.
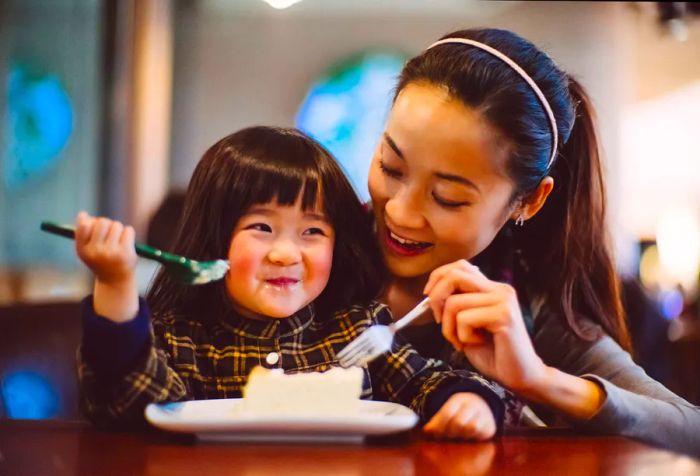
(189, 360)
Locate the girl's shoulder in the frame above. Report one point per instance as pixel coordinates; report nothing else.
(367, 314)
(173, 319)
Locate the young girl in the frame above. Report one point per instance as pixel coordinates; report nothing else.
(304, 270)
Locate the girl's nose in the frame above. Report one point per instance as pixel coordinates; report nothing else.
(284, 253)
(405, 209)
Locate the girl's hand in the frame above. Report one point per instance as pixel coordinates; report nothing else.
(465, 416)
(483, 319)
(107, 248)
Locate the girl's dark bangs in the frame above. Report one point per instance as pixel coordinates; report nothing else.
(283, 183)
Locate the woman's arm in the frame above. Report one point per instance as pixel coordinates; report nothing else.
(595, 385)
(634, 405)
(576, 397)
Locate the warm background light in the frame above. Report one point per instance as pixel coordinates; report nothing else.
(678, 238)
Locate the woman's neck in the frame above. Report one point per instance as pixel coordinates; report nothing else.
(402, 295)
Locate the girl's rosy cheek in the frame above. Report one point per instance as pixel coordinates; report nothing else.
(324, 261)
(244, 257)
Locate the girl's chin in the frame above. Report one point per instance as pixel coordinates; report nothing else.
(279, 312)
(268, 312)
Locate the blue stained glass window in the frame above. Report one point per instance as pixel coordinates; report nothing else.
(346, 109)
(40, 122)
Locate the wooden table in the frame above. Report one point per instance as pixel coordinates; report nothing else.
(55, 448)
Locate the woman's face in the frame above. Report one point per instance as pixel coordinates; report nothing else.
(438, 182)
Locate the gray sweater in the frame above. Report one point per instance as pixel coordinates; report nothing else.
(636, 405)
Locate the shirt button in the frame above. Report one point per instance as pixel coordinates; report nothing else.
(272, 358)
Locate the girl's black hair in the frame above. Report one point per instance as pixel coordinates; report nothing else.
(255, 166)
(566, 245)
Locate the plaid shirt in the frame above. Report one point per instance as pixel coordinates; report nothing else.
(124, 367)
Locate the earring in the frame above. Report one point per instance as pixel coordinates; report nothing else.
(520, 221)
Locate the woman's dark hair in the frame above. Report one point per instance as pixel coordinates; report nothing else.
(566, 245)
(255, 166)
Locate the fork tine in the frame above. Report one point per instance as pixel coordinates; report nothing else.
(359, 352)
(356, 359)
(372, 342)
(357, 343)
(352, 348)
(351, 353)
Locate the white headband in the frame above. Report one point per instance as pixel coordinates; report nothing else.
(523, 74)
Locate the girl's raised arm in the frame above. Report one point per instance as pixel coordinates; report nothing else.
(107, 248)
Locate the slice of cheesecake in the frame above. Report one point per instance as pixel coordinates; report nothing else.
(271, 392)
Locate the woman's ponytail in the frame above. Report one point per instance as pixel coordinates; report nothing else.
(584, 283)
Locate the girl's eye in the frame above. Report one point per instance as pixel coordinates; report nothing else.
(448, 203)
(393, 173)
(259, 227)
(314, 231)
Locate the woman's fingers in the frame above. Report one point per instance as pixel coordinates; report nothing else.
(457, 303)
(440, 272)
(456, 280)
(469, 326)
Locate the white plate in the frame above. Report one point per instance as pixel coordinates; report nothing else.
(222, 420)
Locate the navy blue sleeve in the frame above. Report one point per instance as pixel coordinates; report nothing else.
(111, 348)
(438, 398)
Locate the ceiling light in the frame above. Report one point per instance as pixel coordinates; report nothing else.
(281, 4)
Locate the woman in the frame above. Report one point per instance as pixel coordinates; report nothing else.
(488, 194)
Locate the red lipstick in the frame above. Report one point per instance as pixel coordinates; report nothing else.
(400, 249)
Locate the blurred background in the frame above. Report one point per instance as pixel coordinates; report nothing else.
(107, 105)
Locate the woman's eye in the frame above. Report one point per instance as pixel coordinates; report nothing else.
(259, 227)
(448, 203)
(393, 173)
(314, 231)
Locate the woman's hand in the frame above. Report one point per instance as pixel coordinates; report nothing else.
(107, 248)
(465, 416)
(483, 319)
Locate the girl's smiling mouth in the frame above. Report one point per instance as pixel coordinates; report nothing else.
(282, 281)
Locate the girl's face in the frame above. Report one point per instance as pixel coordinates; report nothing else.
(280, 258)
(438, 183)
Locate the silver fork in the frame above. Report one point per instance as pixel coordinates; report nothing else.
(376, 340)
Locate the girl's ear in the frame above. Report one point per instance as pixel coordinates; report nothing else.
(534, 202)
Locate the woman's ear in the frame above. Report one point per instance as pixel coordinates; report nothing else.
(534, 202)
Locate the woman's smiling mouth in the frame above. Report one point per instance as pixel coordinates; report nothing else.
(404, 246)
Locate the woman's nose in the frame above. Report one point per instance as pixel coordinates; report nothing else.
(405, 209)
(284, 252)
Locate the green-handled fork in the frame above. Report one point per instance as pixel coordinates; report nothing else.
(186, 270)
